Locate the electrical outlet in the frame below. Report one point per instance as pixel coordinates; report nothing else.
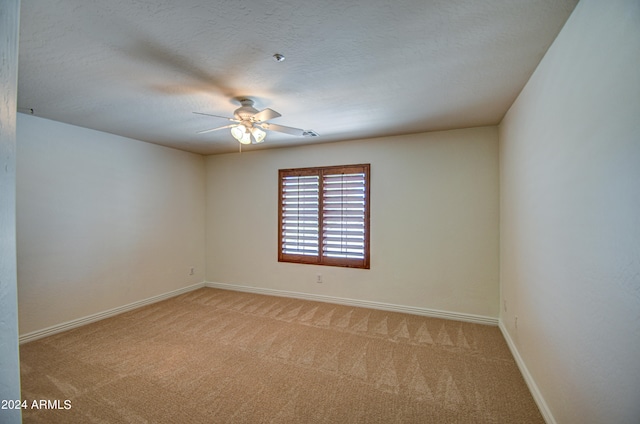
(319, 278)
(192, 270)
(515, 322)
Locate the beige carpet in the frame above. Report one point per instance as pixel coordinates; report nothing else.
(215, 356)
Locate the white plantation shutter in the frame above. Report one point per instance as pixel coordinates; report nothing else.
(324, 216)
(344, 215)
(300, 215)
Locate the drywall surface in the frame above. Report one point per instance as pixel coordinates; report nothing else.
(570, 218)
(9, 360)
(103, 221)
(434, 221)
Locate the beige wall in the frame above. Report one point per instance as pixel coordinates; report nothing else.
(103, 221)
(570, 218)
(434, 221)
(9, 364)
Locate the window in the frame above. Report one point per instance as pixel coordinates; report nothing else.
(323, 216)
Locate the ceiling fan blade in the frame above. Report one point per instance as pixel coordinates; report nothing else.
(216, 129)
(217, 116)
(265, 115)
(282, 129)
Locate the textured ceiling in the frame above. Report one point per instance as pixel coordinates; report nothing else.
(353, 69)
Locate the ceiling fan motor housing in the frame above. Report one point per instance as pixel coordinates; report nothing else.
(246, 111)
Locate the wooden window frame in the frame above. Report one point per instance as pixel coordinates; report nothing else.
(320, 258)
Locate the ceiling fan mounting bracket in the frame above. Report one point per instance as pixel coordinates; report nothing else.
(243, 101)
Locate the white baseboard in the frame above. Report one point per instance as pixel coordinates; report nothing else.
(38, 334)
(533, 387)
(457, 316)
(477, 319)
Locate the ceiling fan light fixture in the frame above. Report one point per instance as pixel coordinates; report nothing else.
(237, 132)
(246, 138)
(258, 134)
(240, 133)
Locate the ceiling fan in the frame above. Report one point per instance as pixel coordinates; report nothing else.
(250, 124)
